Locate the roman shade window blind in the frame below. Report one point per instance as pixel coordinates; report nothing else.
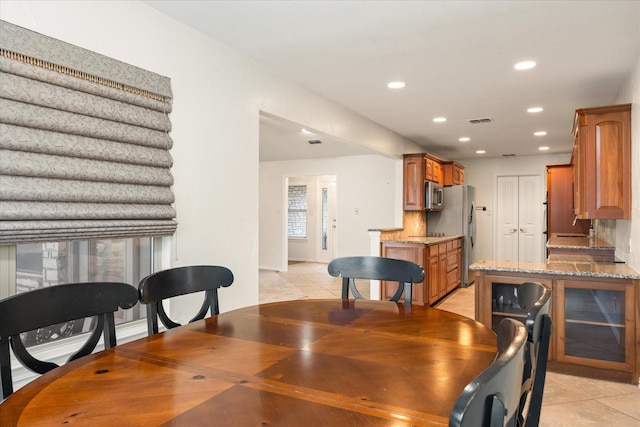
(84, 144)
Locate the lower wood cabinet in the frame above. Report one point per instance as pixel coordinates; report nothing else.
(407, 252)
(442, 263)
(595, 329)
(596, 323)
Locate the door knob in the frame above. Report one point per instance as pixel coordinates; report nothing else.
(522, 230)
(513, 230)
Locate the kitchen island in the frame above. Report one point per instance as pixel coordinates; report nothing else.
(594, 310)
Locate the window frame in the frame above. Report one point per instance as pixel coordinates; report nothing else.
(59, 351)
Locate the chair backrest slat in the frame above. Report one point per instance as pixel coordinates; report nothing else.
(376, 268)
(492, 398)
(54, 305)
(173, 282)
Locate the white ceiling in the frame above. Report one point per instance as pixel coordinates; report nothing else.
(456, 58)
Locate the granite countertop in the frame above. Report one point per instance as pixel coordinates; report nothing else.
(568, 241)
(387, 229)
(563, 268)
(423, 240)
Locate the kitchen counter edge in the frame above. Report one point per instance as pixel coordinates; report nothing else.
(561, 268)
(578, 243)
(422, 240)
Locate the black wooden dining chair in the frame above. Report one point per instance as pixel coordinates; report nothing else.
(376, 268)
(173, 282)
(492, 398)
(535, 299)
(45, 307)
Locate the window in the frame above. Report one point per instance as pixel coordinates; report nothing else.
(325, 217)
(297, 212)
(41, 265)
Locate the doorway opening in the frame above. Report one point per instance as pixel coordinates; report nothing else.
(311, 218)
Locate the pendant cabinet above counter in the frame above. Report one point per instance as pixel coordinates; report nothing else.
(601, 161)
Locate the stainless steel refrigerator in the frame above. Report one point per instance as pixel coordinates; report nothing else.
(457, 217)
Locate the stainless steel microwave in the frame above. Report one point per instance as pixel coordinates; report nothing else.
(433, 196)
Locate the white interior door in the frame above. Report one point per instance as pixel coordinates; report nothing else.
(530, 218)
(327, 221)
(508, 221)
(520, 215)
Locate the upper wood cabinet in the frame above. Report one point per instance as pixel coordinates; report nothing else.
(453, 173)
(414, 178)
(601, 162)
(433, 169)
(421, 167)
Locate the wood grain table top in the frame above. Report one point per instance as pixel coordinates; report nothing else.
(294, 363)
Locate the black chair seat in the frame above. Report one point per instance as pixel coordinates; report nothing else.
(42, 308)
(376, 268)
(173, 282)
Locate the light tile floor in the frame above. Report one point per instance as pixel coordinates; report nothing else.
(568, 400)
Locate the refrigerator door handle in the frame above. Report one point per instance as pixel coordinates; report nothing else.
(471, 221)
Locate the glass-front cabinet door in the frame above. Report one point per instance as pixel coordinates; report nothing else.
(595, 323)
(504, 299)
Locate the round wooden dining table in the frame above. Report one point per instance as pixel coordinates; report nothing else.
(294, 363)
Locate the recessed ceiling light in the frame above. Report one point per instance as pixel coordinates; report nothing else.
(464, 139)
(440, 119)
(540, 133)
(534, 110)
(524, 65)
(480, 151)
(396, 85)
(543, 148)
(308, 132)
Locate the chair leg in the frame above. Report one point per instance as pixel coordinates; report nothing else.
(6, 382)
(408, 294)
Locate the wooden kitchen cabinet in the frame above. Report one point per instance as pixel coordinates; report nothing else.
(438, 175)
(429, 169)
(560, 211)
(595, 323)
(441, 262)
(433, 169)
(417, 169)
(601, 161)
(595, 329)
(454, 264)
(453, 173)
(437, 263)
(414, 167)
(408, 252)
(499, 298)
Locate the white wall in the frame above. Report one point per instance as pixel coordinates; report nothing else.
(218, 96)
(628, 232)
(369, 183)
(483, 175)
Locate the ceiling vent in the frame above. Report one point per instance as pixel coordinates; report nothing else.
(314, 141)
(480, 120)
(508, 155)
